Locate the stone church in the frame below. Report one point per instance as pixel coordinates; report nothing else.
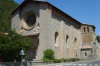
(51, 28)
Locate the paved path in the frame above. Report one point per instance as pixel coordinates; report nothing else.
(80, 63)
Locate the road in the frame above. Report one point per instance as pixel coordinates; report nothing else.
(81, 63)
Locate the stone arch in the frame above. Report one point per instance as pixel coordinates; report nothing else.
(31, 8)
(56, 38)
(34, 48)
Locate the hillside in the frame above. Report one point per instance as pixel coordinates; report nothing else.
(6, 7)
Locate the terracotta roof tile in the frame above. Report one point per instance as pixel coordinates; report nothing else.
(86, 47)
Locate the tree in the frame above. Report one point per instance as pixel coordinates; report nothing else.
(11, 45)
(6, 7)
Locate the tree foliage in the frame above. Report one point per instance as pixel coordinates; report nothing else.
(11, 45)
(6, 7)
(98, 39)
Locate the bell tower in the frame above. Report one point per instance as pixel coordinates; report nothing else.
(88, 33)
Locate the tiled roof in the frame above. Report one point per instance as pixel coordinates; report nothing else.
(86, 47)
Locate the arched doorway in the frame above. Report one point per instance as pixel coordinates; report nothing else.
(34, 48)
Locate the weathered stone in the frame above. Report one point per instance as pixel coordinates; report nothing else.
(53, 30)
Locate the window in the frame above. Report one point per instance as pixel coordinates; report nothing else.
(67, 39)
(31, 19)
(84, 29)
(85, 54)
(75, 39)
(56, 39)
(87, 29)
(56, 34)
(93, 29)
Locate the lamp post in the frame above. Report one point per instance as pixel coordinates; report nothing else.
(22, 53)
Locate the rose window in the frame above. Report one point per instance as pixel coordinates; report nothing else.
(30, 20)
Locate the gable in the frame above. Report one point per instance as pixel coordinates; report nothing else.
(55, 11)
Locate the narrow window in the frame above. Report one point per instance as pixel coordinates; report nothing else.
(84, 29)
(87, 29)
(56, 34)
(93, 29)
(75, 39)
(56, 39)
(85, 54)
(67, 38)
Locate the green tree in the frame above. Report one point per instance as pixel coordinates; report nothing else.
(6, 7)
(11, 45)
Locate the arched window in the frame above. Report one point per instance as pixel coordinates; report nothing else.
(87, 29)
(56, 34)
(56, 39)
(67, 39)
(75, 39)
(84, 29)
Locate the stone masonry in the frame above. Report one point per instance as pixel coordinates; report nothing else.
(53, 30)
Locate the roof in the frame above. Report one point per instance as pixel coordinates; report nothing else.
(27, 1)
(89, 25)
(86, 47)
(23, 4)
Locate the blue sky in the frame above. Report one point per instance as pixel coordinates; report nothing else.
(85, 11)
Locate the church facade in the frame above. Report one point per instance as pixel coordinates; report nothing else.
(51, 28)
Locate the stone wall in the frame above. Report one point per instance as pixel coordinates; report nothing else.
(88, 34)
(88, 39)
(98, 48)
(86, 54)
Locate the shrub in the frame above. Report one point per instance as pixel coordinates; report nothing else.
(57, 60)
(69, 60)
(72, 59)
(63, 59)
(48, 55)
(47, 60)
(77, 59)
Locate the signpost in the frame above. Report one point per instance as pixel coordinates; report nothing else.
(22, 53)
